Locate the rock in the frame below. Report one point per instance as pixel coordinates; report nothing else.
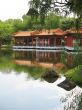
(67, 84)
(50, 76)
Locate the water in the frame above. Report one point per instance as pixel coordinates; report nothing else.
(18, 93)
(21, 85)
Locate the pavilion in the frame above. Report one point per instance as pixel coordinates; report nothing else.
(47, 39)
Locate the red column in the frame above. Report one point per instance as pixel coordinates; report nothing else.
(42, 42)
(45, 42)
(32, 42)
(48, 41)
(54, 41)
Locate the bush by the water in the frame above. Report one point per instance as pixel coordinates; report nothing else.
(75, 74)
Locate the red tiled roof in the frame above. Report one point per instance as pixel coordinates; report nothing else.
(23, 33)
(74, 31)
(58, 32)
(45, 32)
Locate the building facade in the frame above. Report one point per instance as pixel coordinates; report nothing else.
(47, 39)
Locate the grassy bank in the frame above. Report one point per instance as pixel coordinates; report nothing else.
(75, 74)
(6, 46)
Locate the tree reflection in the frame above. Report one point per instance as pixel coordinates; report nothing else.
(77, 59)
(73, 100)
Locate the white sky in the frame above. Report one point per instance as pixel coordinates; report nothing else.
(13, 9)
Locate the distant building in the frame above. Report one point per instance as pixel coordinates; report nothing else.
(47, 39)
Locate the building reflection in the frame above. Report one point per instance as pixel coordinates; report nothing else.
(57, 59)
(38, 56)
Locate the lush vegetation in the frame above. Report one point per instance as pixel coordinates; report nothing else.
(42, 14)
(75, 74)
(52, 21)
(45, 14)
(7, 61)
(41, 8)
(48, 14)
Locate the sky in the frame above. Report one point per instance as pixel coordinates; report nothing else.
(13, 9)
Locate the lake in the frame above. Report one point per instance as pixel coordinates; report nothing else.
(23, 88)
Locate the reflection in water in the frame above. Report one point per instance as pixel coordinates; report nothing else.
(73, 99)
(57, 59)
(37, 62)
(39, 59)
(39, 56)
(16, 93)
(24, 89)
(67, 84)
(50, 76)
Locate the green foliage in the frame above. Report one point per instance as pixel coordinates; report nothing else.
(17, 24)
(77, 59)
(39, 8)
(7, 62)
(52, 21)
(43, 7)
(75, 6)
(75, 74)
(27, 22)
(67, 23)
(6, 29)
(34, 72)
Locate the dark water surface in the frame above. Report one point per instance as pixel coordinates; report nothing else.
(21, 85)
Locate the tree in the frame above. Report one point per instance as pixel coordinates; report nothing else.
(40, 8)
(18, 24)
(67, 23)
(6, 29)
(43, 7)
(52, 21)
(27, 22)
(75, 6)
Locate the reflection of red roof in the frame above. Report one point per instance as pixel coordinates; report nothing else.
(58, 32)
(36, 64)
